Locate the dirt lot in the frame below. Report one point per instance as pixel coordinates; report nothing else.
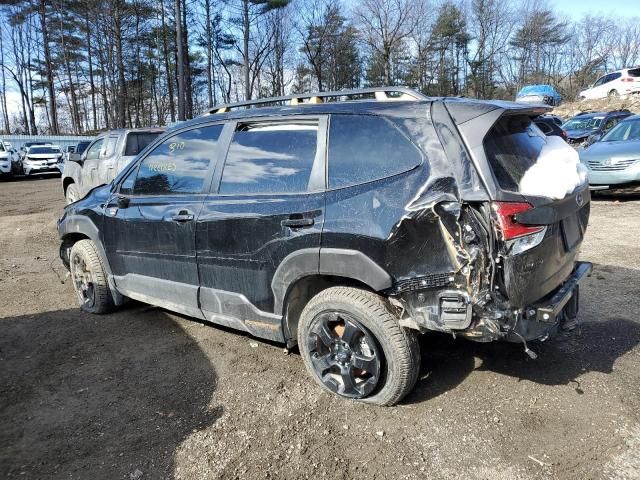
(147, 394)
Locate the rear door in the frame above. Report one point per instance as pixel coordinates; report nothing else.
(150, 224)
(539, 236)
(267, 202)
(107, 162)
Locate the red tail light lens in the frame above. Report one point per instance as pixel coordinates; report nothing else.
(505, 218)
(563, 134)
(626, 79)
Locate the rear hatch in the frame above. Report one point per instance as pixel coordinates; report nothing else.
(538, 238)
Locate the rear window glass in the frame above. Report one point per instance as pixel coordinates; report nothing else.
(136, 141)
(583, 123)
(634, 72)
(512, 146)
(363, 148)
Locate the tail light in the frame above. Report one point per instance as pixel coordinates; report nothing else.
(564, 135)
(506, 223)
(626, 79)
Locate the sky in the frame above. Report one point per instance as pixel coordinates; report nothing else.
(574, 9)
(577, 8)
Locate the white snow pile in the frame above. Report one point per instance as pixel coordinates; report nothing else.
(556, 173)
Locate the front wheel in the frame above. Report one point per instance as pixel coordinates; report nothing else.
(353, 346)
(72, 194)
(89, 278)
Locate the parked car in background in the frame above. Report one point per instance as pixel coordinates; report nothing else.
(6, 161)
(68, 150)
(103, 159)
(346, 228)
(545, 94)
(614, 160)
(619, 83)
(587, 127)
(549, 126)
(25, 146)
(41, 159)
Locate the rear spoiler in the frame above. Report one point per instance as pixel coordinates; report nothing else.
(462, 111)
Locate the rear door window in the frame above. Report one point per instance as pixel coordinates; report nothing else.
(270, 157)
(178, 165)
(364, 148)
(136, 141)
(635, 72)
(512, 146)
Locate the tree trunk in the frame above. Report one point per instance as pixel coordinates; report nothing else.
(209, 40)
(180, 61)
(121, 114)
(165, 54)
(53, 110)
(245, 48)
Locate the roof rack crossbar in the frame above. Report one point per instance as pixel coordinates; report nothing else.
(379, 94)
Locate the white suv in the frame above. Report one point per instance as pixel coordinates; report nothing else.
(614, 84)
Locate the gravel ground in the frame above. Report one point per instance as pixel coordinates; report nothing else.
(143, 393)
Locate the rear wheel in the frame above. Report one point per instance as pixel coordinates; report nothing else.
(353, 346)
(89, 278)
(614, 93)
(72, 193)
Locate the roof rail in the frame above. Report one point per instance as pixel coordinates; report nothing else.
(380, 94)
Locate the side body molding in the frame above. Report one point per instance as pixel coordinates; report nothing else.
(326, 261)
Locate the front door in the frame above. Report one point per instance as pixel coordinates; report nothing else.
(151, 221)
(267, 205)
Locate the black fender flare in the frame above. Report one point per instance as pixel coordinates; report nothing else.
(78, 224)
(326, 261)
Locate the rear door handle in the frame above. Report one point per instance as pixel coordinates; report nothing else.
(182, 216)
(298, 222)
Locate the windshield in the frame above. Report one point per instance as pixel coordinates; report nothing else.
(43, 150)
(592, 123)
(136, 141)
(629, 130)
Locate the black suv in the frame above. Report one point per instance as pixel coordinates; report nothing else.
(341, 223)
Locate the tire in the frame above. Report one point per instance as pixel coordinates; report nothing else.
(614, 93)
(72, 194)
(89, 278)
(388, 353)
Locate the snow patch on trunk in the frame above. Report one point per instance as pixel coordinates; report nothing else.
(556, 173)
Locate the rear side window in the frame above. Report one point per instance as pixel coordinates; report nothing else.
(179, 164)
(364, 148)
(635, 72)
(270, 157)
(546, 129)
(136, 141)
(512, 146)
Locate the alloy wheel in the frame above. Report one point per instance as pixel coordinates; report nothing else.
(344, 354)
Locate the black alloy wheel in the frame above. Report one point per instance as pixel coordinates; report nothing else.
(344, 354)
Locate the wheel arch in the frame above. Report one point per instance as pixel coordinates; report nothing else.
(305, 273)
(65, 184)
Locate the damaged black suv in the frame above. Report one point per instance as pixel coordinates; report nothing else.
(346, 223)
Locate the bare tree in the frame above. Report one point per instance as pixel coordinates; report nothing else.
(384, 25)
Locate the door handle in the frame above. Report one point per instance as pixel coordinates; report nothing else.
(182, 216)
(298, 222)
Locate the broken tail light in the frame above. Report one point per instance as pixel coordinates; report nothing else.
(506, 223)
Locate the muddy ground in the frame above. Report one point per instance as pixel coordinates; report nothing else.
(143, 393)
